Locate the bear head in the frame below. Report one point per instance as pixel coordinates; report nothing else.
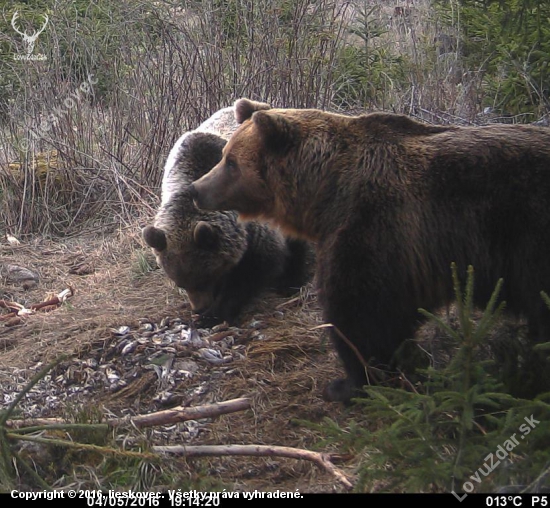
(257, 161)
(238, 181)
(196, 249)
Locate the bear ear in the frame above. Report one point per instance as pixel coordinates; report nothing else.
(205, 235)
(154, 237)
(277, 132)
(244, 108)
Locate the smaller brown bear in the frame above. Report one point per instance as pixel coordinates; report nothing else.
(391, 203)
(221, 263)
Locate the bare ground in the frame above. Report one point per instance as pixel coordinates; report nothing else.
(283, 369)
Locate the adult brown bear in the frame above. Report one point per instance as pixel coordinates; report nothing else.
(391, 202)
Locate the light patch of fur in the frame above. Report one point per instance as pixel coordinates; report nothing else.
(222, 123)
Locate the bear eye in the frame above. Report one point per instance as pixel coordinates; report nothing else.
(231, 164)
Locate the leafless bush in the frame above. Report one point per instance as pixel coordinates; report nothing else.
(76, 155)
(99, 158)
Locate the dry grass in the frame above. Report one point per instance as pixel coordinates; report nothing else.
(283, 373)
(109, 296)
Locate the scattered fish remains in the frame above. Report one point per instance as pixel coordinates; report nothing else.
(151, 367)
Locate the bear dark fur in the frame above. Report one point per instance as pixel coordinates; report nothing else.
(221, 263)
(391, 203)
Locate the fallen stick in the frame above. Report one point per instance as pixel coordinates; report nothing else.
(181, 414)
(55, 301)
(166, 417)
(322, 460)
(16, 309)
(11, 306)
(6, 317)
(35, 422)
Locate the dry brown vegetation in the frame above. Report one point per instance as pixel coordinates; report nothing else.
(79, 179)
(86, 131)
(283, 371)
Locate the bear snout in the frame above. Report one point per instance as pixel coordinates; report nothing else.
(202, 196)
(193, 192)
(200, 301)
(198, 198)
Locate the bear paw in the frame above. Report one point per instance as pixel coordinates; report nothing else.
(340, 390)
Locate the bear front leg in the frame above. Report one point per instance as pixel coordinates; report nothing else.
(371, 303)
(365, 338)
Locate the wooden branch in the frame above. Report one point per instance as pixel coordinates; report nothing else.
(17, 424)
(181, 414)
(9, 316)
(18, 310)
(81, 446)
(322, 460)
(11, 306)
(169, 416)
(55, 301)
